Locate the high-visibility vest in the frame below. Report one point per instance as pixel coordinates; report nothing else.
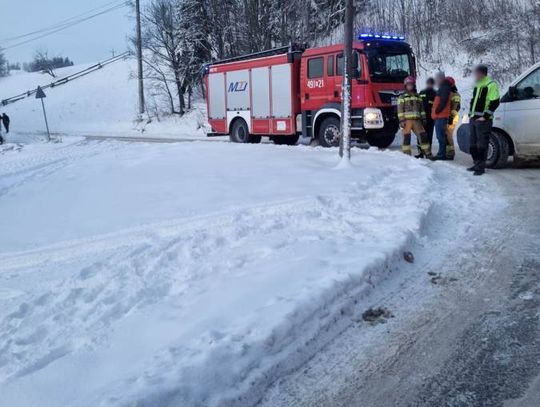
(486, 99)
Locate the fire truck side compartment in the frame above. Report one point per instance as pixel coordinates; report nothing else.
(216, 95)
(282, 100)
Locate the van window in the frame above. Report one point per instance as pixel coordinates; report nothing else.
(330, 66)
(316, 68)
(529, 88)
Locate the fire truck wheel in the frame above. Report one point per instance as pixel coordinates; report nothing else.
(240, 133)
(329, 132)
(286, 140)
(380, 140)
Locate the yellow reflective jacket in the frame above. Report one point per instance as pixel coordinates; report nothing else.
(411, 107)
(455, 105)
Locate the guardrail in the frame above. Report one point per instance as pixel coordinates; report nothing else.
(66, 79)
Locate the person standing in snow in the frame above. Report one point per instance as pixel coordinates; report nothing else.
(441, 112)
(411, 115)
(5, 122)
(428, 97)
(485, 100)
(455, 106)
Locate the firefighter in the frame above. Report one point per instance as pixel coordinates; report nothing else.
(428, 96)
(440, 113)
(455, 106)
(411, 115)
(485, 100)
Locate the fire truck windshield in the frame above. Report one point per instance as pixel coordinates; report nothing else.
(389, 66)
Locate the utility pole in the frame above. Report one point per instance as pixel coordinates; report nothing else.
(345, 144)
(139, 56)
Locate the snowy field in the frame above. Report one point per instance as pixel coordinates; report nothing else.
(191, 274)
(102, 103)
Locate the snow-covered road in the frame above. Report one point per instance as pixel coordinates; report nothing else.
(196, 274)
(466, 326)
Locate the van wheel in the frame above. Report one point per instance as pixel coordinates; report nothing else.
(330, 132)
(240, 133)
(286, 140)
(504, 151)
(498, 151)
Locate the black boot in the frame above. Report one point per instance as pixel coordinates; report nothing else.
(437, 158)
(419, 155)
(473, 168)
(479, 171)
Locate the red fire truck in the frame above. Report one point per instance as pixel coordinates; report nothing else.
(287, 92)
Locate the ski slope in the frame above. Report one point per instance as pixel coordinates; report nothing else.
(195, 274)
(101, 103)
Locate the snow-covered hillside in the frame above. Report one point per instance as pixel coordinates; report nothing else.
(104, 102)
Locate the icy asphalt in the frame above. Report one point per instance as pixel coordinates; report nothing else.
(465, 328)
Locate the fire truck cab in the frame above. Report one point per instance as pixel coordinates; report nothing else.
(288, 92)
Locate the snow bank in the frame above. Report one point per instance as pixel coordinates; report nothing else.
(101, 103)
(190, 274)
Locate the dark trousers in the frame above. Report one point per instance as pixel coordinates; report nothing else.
(480, 133)
(441, 125)
(429, 127)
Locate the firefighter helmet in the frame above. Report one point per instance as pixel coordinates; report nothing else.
(409, 80)
(451, 81)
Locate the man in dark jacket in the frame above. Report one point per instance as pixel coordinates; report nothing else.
(428, 97)
(441, 112)
(5, 121)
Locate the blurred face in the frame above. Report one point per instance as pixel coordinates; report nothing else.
(478, 75)
(429, 85)
(439, 80)
(410, 87)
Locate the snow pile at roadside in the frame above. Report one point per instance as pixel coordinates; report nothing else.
(190, 274)
(103, 102)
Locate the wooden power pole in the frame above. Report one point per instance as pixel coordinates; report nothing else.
(345, 145)
(139, 56)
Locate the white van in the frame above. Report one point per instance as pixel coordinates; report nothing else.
(516, 124)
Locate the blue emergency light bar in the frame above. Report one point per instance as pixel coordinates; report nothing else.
(372, 36)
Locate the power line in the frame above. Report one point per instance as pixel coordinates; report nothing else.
(64, 26)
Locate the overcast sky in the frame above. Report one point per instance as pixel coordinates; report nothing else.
(89, 41)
